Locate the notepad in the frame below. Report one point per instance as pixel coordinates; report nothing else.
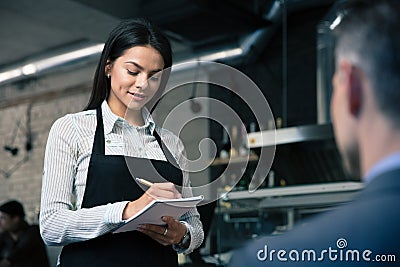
(155, 210)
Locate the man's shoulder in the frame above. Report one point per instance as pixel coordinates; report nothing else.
(359, 219)
(363, 222)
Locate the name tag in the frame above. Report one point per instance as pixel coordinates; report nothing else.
(114, 145)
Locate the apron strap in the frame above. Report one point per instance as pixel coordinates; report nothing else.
(98, 145)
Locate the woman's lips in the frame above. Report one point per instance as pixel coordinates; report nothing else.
(137, 96)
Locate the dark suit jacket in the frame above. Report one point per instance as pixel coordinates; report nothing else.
(371, 222)
(28, 251)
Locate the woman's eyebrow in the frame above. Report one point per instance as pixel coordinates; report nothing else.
(141, 68)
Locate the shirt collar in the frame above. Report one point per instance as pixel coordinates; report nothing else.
(110, 119)
(386, 164)
(148, 120)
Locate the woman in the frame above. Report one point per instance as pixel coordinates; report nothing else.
(88, 190)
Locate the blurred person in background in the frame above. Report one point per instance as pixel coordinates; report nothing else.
(20, 243)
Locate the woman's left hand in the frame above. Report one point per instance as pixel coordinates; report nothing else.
(169, 234)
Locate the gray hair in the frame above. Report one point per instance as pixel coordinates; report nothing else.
(369, 37)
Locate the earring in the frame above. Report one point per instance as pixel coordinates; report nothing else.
(108, 75)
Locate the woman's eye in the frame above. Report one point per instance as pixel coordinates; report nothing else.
(132, 72)
(155, 78)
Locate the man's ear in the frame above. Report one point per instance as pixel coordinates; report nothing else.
(355, 94)
(351, 76)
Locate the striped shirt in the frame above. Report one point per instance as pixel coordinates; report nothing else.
(68, 151)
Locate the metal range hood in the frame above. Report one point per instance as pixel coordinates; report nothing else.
(86, 52)
(310, 150)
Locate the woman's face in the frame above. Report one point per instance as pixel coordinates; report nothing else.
(135, 78)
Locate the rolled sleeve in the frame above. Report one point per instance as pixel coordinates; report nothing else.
(113, 214)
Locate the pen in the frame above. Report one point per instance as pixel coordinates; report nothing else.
(144, 182)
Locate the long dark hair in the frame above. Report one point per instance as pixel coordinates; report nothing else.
(127, 34)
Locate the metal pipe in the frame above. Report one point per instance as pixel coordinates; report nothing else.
(51, 61)
(246, 52)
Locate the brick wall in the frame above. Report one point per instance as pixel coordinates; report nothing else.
(21, 175)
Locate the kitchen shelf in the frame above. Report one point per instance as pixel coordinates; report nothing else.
(290, 135)
(290, 199)
(286, 191)
(233, 160)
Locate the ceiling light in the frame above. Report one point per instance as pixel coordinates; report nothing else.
(29, 69)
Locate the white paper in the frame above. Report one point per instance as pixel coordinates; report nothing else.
(155, 210)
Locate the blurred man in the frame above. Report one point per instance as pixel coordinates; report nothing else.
(365, 112)
(20, 243)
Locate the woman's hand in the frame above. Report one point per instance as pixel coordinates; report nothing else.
(169, 234)
(156, 191)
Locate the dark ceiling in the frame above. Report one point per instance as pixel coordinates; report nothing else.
(196, 23)
(30, 28)
(37, 29)
(200, 24)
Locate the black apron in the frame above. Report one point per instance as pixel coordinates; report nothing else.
(109, 181)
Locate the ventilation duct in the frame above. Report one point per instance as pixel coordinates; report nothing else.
(245, 52)
(80, 53)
